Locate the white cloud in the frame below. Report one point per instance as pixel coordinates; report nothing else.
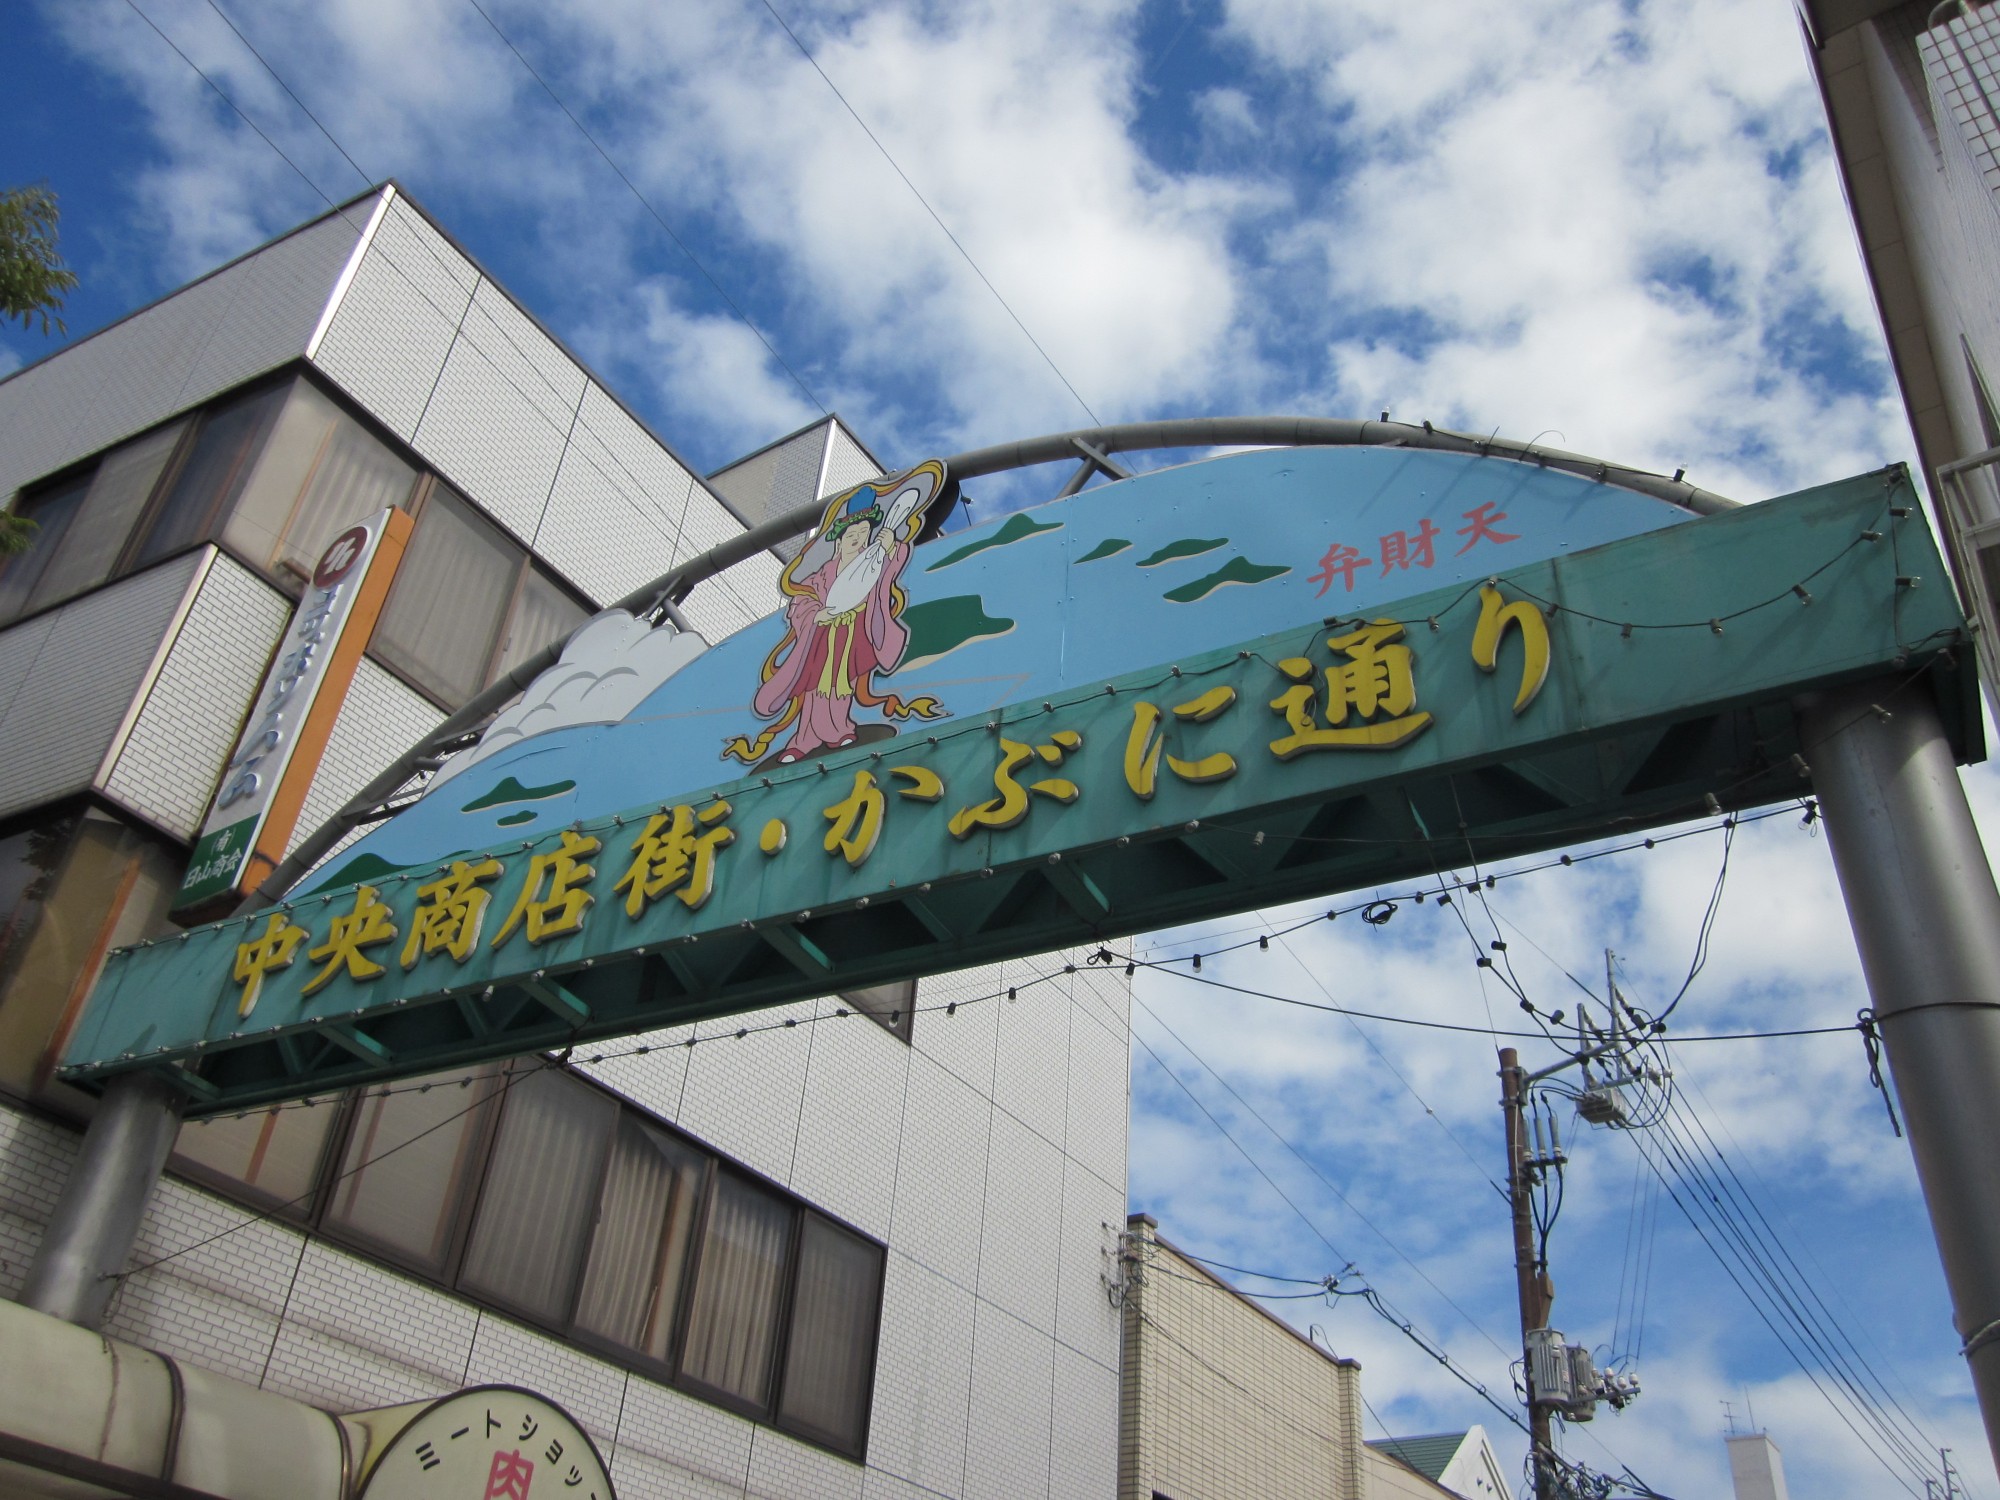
(1607, 220)
(1227, 112)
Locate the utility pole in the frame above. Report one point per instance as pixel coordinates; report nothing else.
(1561, 1378)
(1537, 1295)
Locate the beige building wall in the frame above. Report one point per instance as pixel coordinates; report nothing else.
(1221, 1400)
(1389, 1480)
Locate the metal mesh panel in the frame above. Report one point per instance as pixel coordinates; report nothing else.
(174, 755)
(396, 324)
(776, 479)
(484, 432)
(69, 677)
(245, 319)
(1962, 57)
(614, 517)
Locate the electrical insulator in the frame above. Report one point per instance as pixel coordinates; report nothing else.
(1619, 1389)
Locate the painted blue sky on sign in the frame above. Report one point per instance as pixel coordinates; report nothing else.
(1044, 601)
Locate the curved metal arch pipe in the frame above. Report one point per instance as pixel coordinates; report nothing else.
(1321, 432)
(1091, 447)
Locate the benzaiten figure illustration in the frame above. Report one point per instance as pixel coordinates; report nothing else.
(843, 626)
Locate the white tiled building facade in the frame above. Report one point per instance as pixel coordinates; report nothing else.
(970, 1160)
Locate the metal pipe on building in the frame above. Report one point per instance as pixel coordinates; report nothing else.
(1926, 916)
(1321, 432)
(96, 1218)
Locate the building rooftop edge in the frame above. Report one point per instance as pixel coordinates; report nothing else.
(1340, 1361)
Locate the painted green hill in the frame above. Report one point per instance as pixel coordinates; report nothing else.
(1111, 546)
(1192, 546)
(1238, 569)
(939, 627)
(511, 790)
(1016, 528)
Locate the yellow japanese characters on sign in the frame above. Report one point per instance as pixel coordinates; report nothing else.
(370, 923)
(449, 912)
(1494, 619)
(1010, 804)
(1375, 687)
(676, 853)
(560, 911)
(1363, 696)
(1145, 747)
(273, 948)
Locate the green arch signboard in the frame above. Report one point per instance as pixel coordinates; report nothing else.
(1251, 679)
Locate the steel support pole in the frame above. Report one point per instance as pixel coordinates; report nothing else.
(96, 1220)
(1926, 918)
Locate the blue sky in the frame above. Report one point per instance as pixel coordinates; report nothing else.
(1612, 226)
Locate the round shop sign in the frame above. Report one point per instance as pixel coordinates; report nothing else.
(340, 556)
(491, 1442)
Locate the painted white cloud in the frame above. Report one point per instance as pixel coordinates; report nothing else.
(605, 671)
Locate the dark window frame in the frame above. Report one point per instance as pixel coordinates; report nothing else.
(299, 1211)
(314, 1215)
(148, 514)
(153, 513)
(478, 1148)
(527, 562)
(899, 1020)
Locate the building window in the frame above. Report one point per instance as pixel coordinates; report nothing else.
(830, 1347)
(549, 1198)
(73, 884)
(51, 510)
(273, 1153)
(275, 473)
(84, 523)
(534, 1212)
(645, 1230)
(449, 599)
(732, 1332)
(543, 614)
(467, 604)
(411, 1158)
(213, 470)
(892, 1006)
(317, 473)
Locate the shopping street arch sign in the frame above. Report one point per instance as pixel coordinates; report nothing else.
(1193, 692)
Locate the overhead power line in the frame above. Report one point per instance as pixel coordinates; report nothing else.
(644, 506)
(966, 255)
(1299, 1156)
(647, 204)
(249, 46)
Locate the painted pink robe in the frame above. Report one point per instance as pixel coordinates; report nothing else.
(829, 666)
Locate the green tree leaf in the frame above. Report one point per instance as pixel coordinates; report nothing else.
(33, 278)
